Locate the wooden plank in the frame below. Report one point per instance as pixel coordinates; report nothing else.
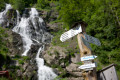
(85, 51)
(108, 73)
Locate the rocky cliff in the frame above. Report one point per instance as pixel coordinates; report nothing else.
(63, 63)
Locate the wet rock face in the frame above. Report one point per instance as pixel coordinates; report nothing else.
(9, 19)
(33, 51)
(15, 43)
(27, 66)
(23, 67)
(26, 13)
(58, 58)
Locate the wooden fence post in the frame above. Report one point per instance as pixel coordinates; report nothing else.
(88, 67)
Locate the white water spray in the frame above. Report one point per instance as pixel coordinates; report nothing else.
(44, 72)
(3, 15)
(33, 12)
(18, 16)
(23, 29)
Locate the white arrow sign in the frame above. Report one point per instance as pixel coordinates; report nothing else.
(91, 39)
(69, 34)
(88, 58)
(86, 66)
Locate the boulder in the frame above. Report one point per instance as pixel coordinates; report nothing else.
(73, 68)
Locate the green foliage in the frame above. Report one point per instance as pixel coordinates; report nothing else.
(21, 61)
(56, 40)
(62, 74)
(105, 26)
(79, 63)
(103, 18)
(52, 22)
(29, 3)
(3, 43)
(19, 4)
(73, 11)
(2, 4)
(26, 58)
(17, 56)
(42, 3)
(99, 66)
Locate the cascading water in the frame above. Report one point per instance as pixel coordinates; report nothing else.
(23, 29)
(44, 72)
(18, 16)
(3, 15)
(32, 31)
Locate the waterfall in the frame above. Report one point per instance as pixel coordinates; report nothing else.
(18, 16)
(3, 15)
(44, 72)
(23, 29)
(32, 31)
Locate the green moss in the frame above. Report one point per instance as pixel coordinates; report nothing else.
(17, 56)
(79, 63)
(56, 21)
(34, 72)
(21, 61)
(48, 52)
(54, 65)
(56, 53)
(25, 58)
(51, 48)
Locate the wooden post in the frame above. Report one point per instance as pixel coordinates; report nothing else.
(89, 72)
(85, 51)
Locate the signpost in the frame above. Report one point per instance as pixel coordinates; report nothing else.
(88, 58)
(88, 67)
(69, 34)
